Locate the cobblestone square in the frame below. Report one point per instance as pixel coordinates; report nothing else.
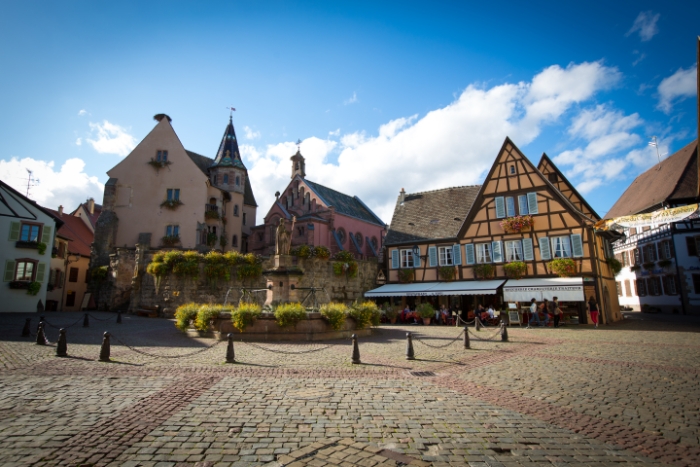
(625, 394)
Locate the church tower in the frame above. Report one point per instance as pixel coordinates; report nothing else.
(298, 164)
(228, 171)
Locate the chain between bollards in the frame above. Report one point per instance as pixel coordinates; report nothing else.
(466, 337)
(104, 349)
(61, 345)
(355, 350)
(410, 355)
(230, 355)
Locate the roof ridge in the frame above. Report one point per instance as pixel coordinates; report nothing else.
(443, 189)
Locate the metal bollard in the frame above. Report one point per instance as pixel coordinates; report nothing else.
(86, 321)
(504, 332)
(104, 350)
(26, 331)
(40, 337)
(230, 356)
(410, 355)
(355, 350)
(61, 345)
(466, 337)
(119, 317)
(477, 323)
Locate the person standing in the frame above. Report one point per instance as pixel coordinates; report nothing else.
(556, 311)
(593, 308)
(534, 316)
(545, 311)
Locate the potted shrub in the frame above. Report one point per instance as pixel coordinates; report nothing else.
(446, 273)
(517, 223)
(365, 314)
(563, 267)
(322, 252)
(205, 315)
(515, 270)
(391, 314)
(484, 271)
(245, 315)
(335, 314)
(425, 311)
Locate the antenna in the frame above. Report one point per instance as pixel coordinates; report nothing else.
(655, 144)
(30, 181)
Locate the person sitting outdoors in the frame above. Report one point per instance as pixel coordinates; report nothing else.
(445, 315)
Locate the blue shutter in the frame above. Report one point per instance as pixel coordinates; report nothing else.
(532, 203)
(497, 252)
(510, 206)
(500, 207)
(577, 245)
(469, 251)
(395, 259)
(457, 254)
(522, 205)
(416, 260)
(528, 252)
(545, 252)
(432, 256)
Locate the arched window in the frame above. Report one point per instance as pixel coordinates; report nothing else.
(225, 179)
(235, 210)
(341, 235)
(307, 200)
(234, 241)
(358, 239)
(238, 181)
(211, 200)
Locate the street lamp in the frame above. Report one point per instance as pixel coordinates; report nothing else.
(416, 255)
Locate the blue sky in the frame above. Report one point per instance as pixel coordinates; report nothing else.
(383, 95)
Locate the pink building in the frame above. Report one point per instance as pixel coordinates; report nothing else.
(324, 217)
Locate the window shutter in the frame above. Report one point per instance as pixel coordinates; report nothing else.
(40, 272)
(545, 252)
(497, 252)
(394, 259)
(528, 252)
(457, 254)
(14, 231)
(432, 256)
(416, 260)
(500, 207)
(510, 206)
(577, 245)
(46, 235)
(522, 205)
(9, 270)
(532, 203)
(469, 251)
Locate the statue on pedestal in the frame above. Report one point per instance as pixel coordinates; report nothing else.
(282, 239)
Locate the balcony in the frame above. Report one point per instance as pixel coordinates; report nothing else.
(211, 211)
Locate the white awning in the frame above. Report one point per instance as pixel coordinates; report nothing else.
(567, 289)
(418, 289)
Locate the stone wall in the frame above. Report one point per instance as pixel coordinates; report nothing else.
(129, 288)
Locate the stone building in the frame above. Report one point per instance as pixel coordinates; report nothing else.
(162, 195)
(319, 216)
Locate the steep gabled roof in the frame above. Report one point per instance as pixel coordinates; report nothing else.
(204, 163)
(427, 215)
(344, 204)
(75, 229)
(674, 179)
(92, 218)
(16, 205)
(228, 154)
(574, 196)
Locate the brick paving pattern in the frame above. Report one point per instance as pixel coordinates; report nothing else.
(623, 395)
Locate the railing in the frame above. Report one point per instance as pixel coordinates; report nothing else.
(650, 235)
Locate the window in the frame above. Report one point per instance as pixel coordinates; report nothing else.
(173, 194)
(307, 200)
(358, 238)
(30, 232)
(234, 241)
(341, 235)
(670, 287)
(512, 169)
(510, 206)
(73, 275)
(637, 256)
(162, 156)
(650, 253)
(172, 231)
(87, 276)
(625, 259)
(666, 249)
(552, 177)
(406, 258)
(61, 250)
(514, 251)
(216, 179)
(654, 286)
(70, 299)
(300, 231)
(238, 181)
(225, 179)
(445, 255)
(24, 270)
(619, 289)
(244, 219)
(561, 247)
(374, 242)
(235, 210)
(522, 205)
(628, 289)
(483, 252)
(641, 287)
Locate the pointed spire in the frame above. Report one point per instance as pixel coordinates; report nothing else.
(228, 154)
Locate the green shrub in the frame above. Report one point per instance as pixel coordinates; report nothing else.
(157, 269)
(245, 315)
(563, 267)
(515, 270)
(335, 313)
(184, 314)
(289, 314)
(215, 266)
(205, 314)
(405, 275)
(189, 266)
(348, 268)
(322, 252)
(34, 288)
(158, 257)
(344, 256)
(234, 258)
(425, 310)
(391, 312)
(446, 273)
(484, 271)
(364, 314)
(615, 265)
(99, 274)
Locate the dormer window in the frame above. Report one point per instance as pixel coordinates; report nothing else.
(161, 156)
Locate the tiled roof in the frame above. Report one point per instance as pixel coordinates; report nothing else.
(228, 154)
(676, 178)
(91, 217)
(344, 204)
(431, 214)
(75, 229)
(204, 162)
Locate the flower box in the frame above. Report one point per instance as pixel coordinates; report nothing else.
(517, 223)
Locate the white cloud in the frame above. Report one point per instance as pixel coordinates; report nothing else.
(250, 134)
(682, 84)
(69, 186)
(111, 139)
(334, 133)
(82, 112)
(449, 146)
(645, 24)
(352, 100)
(79, 142)
(641, 57)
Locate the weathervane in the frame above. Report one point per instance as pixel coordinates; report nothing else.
(232, 110)
(299, 145)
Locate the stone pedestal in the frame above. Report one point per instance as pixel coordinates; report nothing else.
(282, 281)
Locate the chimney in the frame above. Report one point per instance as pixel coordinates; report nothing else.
(402, 196)
(91, 205)
(277, 195)
(60, 211)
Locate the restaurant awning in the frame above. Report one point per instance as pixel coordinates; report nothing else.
(436, 288)
(567, 289)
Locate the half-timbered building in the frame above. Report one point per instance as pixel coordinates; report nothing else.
(521, 232)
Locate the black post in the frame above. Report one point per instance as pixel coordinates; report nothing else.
(26, 332)
(355, 350)
(477, 323)
(230, 355)
(119, 317)
(40, 337)
(410, 355)
(466, 337)
(104, 350)
(504, 333)
(86, 321)
(61, 345)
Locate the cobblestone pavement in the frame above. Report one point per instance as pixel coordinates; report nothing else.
(624, 394)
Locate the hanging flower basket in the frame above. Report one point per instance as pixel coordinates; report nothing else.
(563, 267)
(517, 223)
